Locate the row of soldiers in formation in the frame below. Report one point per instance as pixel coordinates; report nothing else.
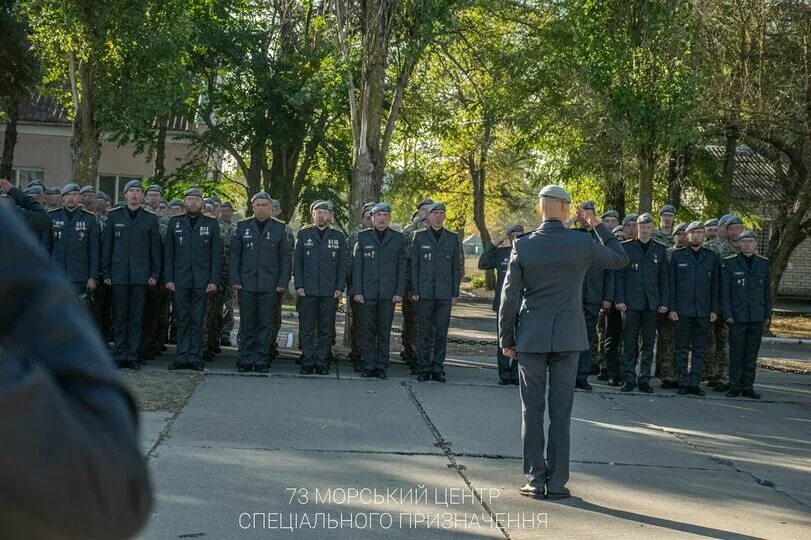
(697, 294)
(145, 252)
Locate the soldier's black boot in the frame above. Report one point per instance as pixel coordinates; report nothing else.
(646, 388)
(424, 376)
(750, 393)
(366, 373)
(628, 387)
(695, 390)
(721, 387)
(438, 377)
(306, 370)
(381, 374)
(733, 392)
(603, 376)
(683, 390)
(582, 385)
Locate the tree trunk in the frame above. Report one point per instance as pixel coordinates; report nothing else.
(160, 153)
(615, 193)
(10, 140)
(731, 134)
(85, 144)
(647, 170)
(677, 167)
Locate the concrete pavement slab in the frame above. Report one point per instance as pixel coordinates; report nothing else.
(152, 424)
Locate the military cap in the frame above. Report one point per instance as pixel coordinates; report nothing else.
(321, 205)
(629, 218)
(680, 228)
(748, 233)
(644, 218)
(610, 213)
(722, 221)
(54, 191)
(227, 204)
(261, 195)
(193, 192)
(555, 192)
(36, 183)
(437, 206)
(175, 202)
(734, 220)
(132, 184)
(695, 225)
(99, 194)
(155, 188)
(87, 189)
(711, 222)
(617, 229)
(588, 205)
(36, 189)
(67, 188)
(312, 204)
(668, 209)
(424, 202)
(515, 228)
(367, 207)
(381, 207)
(207, 200)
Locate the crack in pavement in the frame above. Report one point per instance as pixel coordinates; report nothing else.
(165, 432)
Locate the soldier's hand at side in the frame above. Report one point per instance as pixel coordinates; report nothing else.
(415, 297)
(621, 307)
(171, 286)
(730, 320)
(91, 284)
(151, 282)
(300, 291)
(397, 299)
(108, 281)
(509, 352)
(663, 309)
(673, 316)
(454, 301)
(337, 294)
(281, 289)
(211, 288)
(606, 305)
(358, 298)
(713, 317)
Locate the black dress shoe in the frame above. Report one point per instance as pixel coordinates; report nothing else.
(563, 493)
(381, 374)
(595, 370)
(514, 382)
(614, 382)
(695, 390)
(603, 376)
(321, 370)
(733, 392)
(721, 387)
(668, 385)
(750, 394)
(424, 376)
(438, 377)
(243, 369)
(306, 370)
(528, 490)
(646, 388)
(226, 342)
(175, 365)
(712, 383)
(628, 387)
(261, 369)
(682, 391)
(503, 382)
(197, 366)
(134, 366)
(367, 373)
(583, 385)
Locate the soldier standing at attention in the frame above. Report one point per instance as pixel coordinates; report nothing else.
(227, 227)
(378, 285)
(746, 303)
(694, 275)
(435, 280)
(131, 262)
(319, 275)
(259, 270)
(643, 290)
(711, 229)
(276, 323)
(629, 226)
(74, 241)
(664, 234)
(156, 297)
(193, 255)
(665, 338)
(88, 196)
(354, 323)
(543, 290)
(497, 257)
(609, 321)
(410, 335)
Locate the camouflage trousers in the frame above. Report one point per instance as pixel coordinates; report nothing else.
(354, 322)
(716, 353)
(229, 306)
(212, 327)
(410, 330)
(665, 348)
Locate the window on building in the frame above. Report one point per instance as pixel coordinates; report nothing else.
(112, 184)
(23, 176)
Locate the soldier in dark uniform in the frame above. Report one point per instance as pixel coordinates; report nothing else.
(192, 268)
(694, 276)
(88, 196)
(665, 332)
(319, 275)
(410, 335)
(643, 290)
(74, 241)
(131, 262)
(259, 269)
(497, 257)
(276, 323)
(629, 226)
(610, 219)
(746, 304)
(378, 285)
(354, 322)
(435, 280)
(598, 294)
(609, 321)
(28, 209)
(157, 298)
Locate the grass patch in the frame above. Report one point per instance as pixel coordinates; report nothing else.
(791, 326)
(159, 390)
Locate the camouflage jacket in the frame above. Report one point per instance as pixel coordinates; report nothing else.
(663, 237)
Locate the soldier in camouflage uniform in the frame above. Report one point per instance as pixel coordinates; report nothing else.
(410, 329)
(353, 317)
(664, 234)
(229, 296)
(711, 228)
(666, 339)
(276, 324)
(212, 329)
(716, 351)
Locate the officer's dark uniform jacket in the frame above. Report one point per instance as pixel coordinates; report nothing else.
(496, 258)
(378, 271)
(745, 290)
(435, 265)
(70, 465)
(131, 249)
(32, 213)
(694, 282)
(319, 265)
(193, 255)
(74, 244)
(259, 262)
(598, 285)
(643, 285)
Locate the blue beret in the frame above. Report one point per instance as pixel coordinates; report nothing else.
(261, 195)
(435, 207)
(35, 189)
(711, 222)
(227, 204)
(588, 205)
(644, 218)
(515, 228)
(155, 188)
(87, 189)
(321, 205)
(722, 221)
(175, 202)
(367, 207)
(748, 233)
(133, 184)
(734, 220)
(694, 226)
(610, 213)
(680, 228)
(424, 202)
(617, 229)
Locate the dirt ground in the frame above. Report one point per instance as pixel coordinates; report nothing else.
(161, 390)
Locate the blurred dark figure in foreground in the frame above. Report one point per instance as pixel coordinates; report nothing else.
(70, 465)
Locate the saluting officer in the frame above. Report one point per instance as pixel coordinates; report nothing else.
(378, 284)
(694, 276)
(435, 280)
(131, 261)
(192, 266)
(643, 290)
(746, 303)
(319, 275)
(497, 257)
(74, 241)
(259, 270)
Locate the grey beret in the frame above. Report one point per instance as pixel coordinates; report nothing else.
(35, 189)
(734, 220)
(227, 204)
(711, 222)
(722, 221)
(680, 228)
(437, 206)
(155, 188)
(629, 218)
(515, 228)
(193, 192)
(53, 191)
(99, 194)
(617, 229)
(381, 207)
(208, 200)
(36, 183)
(610, 213)
(668, 209)
(132, 184)
(695, 225)
(321, 205)
(87, 189)
(69, 187)
(367, 207)
(588, 205)
(645, 218)
(555, 192)
(424, 202)
(261, 195)
(175, 202)
(748, 233)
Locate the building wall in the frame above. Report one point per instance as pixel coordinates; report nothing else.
(796, 280)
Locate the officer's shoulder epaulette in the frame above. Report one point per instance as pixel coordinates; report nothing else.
(626, 241)
(54, 210)
(730, 256)
(148, 209)
(114, 208)
(525, 233)
(278, 220)
(762, 257)
(86, 210)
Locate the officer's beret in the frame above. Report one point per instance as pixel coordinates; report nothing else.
(175, 202)
(680, 228)
(36, 189)
(53, 191)
(99, 194)
(711, 222)
(36, 183)
(312, 205)
(515, 228)
(617, 229)
(193, 192)
(629, 218)
(555, 192)
(133, 184)
(261, 195)
(644, 218)
(154, 187)
(321, 205)
(367, 207)
(381, 207)
(695, 225)
(722, 221)
(424, 202)
(436, 207)
(588, 205)
(610, 213)
(734, 220)
(668, 209)
(208, 200)
(67, 188)
(87, 189)
(748, 233)
(227, 204)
